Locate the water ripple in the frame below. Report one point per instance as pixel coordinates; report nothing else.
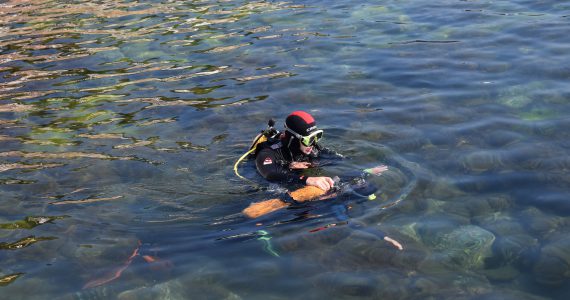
(126, 117)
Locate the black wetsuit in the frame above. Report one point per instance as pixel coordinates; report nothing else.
(273, 159)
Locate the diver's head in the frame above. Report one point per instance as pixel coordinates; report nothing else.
(302, 129)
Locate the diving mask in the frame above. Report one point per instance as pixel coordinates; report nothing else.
(308, 140)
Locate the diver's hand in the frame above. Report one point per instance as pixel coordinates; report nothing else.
(378, 170)
(297, 165)
(393, 242)
(324, 183)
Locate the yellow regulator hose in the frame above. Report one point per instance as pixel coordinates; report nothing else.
(260, 138)
(239, 160)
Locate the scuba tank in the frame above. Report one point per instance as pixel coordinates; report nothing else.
(268, 134)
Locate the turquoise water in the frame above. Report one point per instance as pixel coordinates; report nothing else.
(120, 123)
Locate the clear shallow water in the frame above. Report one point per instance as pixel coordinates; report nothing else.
(120, 123)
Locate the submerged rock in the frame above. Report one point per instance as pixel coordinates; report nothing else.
(500, 224)
(410, 230)
(540, 223)
(518, 250)
(482, 161)
(443, 188)
(477, 206)
(509, 294)
(347, 284)
(168, 290)
(180, 289)
(519, 96)
(548, 201)
(313, 240)
(502, 138)
(432, 228)
(452, 284)
(506, 273)
(553, 265)
(423, 287)
(465, 247)
(515, 101)
(539, 114)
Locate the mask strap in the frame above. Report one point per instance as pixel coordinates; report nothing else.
(289, 147)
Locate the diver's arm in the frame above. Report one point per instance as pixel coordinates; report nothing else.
(300, 165)
(271, 169)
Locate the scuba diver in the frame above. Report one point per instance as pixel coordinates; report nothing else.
(280, 159)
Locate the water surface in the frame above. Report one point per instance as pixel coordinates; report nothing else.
(120, 123)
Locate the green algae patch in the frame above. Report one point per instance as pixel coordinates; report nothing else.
(538, 114)
(30, 222)
(24, 242)
(7, 279)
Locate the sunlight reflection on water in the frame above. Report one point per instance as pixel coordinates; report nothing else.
(120, 122)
